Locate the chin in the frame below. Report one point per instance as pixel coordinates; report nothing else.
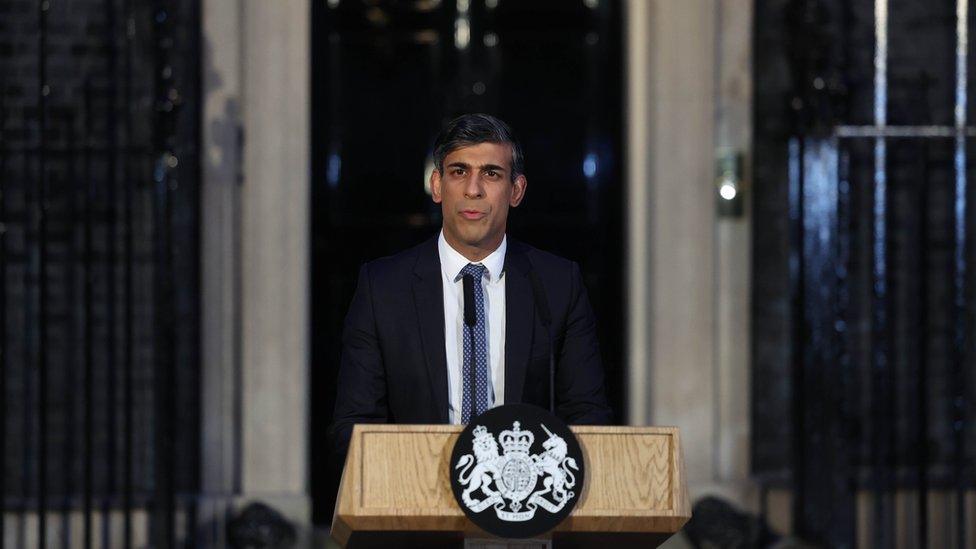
(472, 238)
(473, 242)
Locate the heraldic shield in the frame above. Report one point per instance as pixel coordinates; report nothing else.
(517, 471)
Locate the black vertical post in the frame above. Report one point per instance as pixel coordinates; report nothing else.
(88, 346)
(3, 318)
(165, 161)
(844, 449)
(880, 366)
(27, 464)
(891, 373)
(43, 91)
(127, 296)
(111, 408)
(826, 504)
(959, 325)
(922, 358)
(959, 322)
(70, 189)
(799, 331)
(880, 357)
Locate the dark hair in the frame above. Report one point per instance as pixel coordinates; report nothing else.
(472, 129)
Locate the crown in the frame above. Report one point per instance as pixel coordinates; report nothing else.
(516, 440)
(480, 432)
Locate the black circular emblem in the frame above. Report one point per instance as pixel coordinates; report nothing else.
(517, 471)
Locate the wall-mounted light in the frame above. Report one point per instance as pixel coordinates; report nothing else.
(728, 183)
(428, 171)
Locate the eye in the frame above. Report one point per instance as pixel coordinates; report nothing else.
(457, 172)
(492, 174)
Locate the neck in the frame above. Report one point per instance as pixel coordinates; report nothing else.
(474, 252)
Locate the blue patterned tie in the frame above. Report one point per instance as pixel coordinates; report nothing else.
(477, 348)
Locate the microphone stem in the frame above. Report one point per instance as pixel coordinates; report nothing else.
(552, 372)
(473, 380)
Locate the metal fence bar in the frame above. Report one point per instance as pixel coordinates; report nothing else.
(127, 298)
(799, 328)
(163, 130)
(960, 272)
(89, 315)
(70, 189)
(27, 463)
(924, 132)
(846, 523)
(880, 341)
(4, 363)
(164, 496)
(111, 485)
(922, 359)
(57, 151)
(43, 91)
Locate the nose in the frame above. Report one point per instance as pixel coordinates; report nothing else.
(473, 188)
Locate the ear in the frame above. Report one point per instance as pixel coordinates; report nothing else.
(518, 191)
(435, 186)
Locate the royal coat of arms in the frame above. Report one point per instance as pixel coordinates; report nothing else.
(515, 484)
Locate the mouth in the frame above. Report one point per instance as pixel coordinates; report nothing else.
(472, 215)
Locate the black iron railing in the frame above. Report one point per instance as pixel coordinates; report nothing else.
(99, 272)
(863, 139)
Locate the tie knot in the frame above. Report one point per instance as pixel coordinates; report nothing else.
(476, 271)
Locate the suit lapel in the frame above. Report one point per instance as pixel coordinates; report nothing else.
(428, 295)
(519, 316)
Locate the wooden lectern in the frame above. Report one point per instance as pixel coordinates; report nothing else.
(395, 489)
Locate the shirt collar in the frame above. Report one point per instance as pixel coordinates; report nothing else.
(452, 261)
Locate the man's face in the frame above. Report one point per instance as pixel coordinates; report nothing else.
(475, 192)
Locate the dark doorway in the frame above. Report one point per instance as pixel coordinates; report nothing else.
(862, 304)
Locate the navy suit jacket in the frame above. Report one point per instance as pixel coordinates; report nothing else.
(393, 367)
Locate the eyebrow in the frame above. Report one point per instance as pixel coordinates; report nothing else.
(467, 166)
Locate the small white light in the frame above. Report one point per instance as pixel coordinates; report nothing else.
(334, 169)
(589, 165)
(727, 190)
(428, 170)
(462, 33)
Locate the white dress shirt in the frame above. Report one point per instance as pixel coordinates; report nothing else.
(494, 293)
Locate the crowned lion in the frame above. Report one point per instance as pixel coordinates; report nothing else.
(486, 465)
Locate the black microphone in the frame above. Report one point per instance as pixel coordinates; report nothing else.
(469, 313)
(542, 306)
(470, 319)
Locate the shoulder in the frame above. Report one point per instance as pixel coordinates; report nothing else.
(538, 258)
(400, 266)
(549, 266)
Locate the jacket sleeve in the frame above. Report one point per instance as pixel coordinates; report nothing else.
(580, 394)
(361, 392)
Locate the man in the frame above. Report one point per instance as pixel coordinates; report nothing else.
(406, 352)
